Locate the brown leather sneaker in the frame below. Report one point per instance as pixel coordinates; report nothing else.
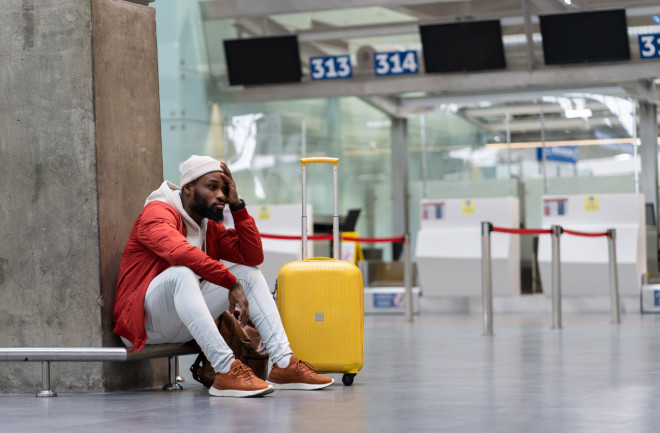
(298, 375)
(239, 381)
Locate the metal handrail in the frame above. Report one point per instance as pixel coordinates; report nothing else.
(93, 354)
(71, 354)
(46, 355)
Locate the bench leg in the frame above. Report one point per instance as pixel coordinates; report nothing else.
(179, 379)
(171, 384)
(45, 381)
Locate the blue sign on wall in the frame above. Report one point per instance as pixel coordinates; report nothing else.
(649, 46)
(330, 67)
(396, 63)
(389, 300)
(656, 298)
(558, 153)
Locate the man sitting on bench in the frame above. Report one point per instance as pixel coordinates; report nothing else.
(172, 284)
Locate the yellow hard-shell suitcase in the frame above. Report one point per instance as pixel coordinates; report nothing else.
(321, 302)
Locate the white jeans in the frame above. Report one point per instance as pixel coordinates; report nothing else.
(178, 309)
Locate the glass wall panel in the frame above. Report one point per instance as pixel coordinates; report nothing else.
(480, 148)
(588, 140)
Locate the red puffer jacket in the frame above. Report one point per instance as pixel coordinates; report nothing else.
(158, 241)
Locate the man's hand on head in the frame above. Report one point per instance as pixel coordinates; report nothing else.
(231, 194)
(237, 297)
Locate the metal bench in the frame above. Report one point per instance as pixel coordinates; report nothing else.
(46, 355)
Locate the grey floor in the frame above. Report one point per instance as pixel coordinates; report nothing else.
(436, 375)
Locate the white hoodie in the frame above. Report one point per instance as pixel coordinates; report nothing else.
(171, 194)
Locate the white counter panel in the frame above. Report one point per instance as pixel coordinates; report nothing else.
(449, 246)
(585, 261)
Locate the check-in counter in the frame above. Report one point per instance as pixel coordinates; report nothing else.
(585, 260)
(281, 219)
(384, 288)
(448, 248)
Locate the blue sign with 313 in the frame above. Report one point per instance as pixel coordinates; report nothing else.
(330, 67)
(649, 46)
(396, 63)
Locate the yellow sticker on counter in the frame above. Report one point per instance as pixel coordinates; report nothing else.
(591, 203)
(264, 213)
(468, 207)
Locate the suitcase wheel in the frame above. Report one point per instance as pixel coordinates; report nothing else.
(347, 379)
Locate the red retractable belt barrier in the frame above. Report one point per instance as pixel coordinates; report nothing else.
(522, 231)
(585, 234)
(402, 239)
(297, 238)
(556, 231)
(374, 240)
(548, 232)
(329, 237)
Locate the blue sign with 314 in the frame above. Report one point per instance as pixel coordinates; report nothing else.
(649, 46)
(396, 63)
(330, 67)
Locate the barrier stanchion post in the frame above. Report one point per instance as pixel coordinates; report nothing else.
(486, 278)
(614, 276)
(556, 278)
(408, 277)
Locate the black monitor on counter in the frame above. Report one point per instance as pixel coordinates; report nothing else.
(269, 60)
(463, 46)
(581, 37)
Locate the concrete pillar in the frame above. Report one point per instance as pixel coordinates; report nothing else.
(648, 134)
(80, 151)
(400, 163)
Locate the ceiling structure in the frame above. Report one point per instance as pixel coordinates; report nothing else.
(574, 101)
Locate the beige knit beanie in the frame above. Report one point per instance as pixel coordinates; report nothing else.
(197, 166)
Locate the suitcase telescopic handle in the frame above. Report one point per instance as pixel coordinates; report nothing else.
(335, 215)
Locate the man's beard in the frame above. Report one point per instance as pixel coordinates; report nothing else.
(212, 213)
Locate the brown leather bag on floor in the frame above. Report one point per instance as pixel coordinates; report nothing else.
(246, 344)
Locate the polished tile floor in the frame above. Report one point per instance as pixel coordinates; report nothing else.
(438, 374)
